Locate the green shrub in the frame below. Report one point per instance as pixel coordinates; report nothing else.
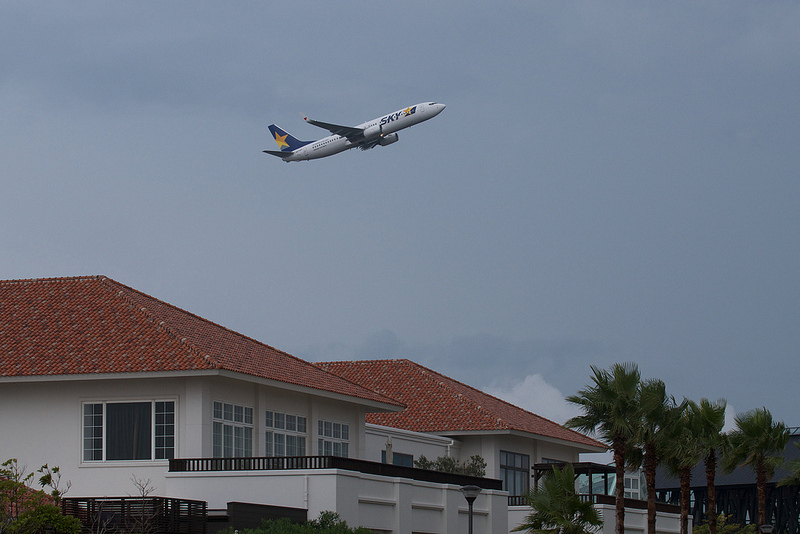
(24, 510)
(45, 518)
(723, 527)
(327, 523)
(475, 466)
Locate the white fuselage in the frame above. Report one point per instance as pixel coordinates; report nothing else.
(381, 126)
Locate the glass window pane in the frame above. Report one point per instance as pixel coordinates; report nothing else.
(128, 431)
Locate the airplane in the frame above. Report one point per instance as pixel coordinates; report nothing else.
(381, 131)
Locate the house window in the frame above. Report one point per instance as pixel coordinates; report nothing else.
(515, 472)
(631, 487)
(334, 439)
(285, 434)
(121, 431)
(233, 430)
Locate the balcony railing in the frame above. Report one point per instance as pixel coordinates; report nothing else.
(195, 465)
(637, 504)
(521, 500)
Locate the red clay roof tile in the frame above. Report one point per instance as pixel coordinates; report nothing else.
(94, 325)
(438, 404)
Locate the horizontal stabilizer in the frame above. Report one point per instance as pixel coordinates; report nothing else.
(279, 153)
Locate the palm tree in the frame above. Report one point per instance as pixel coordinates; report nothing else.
(609, 409)
(558, 509)
(656, 415)
(757, 442)
(710, 420)
(682, 451)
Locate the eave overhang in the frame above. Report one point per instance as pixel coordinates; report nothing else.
(370, 405)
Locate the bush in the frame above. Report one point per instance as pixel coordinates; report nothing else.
(24, 510)
(327, 523)
(46, 518)
(475, 466)
(723, 527)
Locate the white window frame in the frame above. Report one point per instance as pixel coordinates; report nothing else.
(163, 435)
(285, 434)
(333, 438)
(232, 430)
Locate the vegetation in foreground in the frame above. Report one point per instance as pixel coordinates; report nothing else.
(558, 509)
(24, 510)
(723, 527)
(327, 523)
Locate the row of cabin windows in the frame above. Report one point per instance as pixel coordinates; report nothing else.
(146, 431)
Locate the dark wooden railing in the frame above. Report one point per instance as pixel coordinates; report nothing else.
(636, 504)
(138, 514)
(192, 465)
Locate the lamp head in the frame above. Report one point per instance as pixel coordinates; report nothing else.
(470, 492)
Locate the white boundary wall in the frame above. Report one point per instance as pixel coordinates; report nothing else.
(382, 504)
(635, 520)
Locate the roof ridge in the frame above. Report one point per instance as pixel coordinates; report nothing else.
(23, 281)
(214, 360)
(505, 402)
(482, 408)
(203, 319)
(150, 318)
(428, 371)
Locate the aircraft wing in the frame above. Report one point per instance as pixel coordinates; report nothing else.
(351, 133)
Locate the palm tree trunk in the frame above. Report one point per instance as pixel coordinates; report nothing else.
(650, 464)
(619, 462)
(761, 490)
(686, 483)
(711, 473)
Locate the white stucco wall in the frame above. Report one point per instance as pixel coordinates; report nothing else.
(42, 422)
(385, 504)
(406, 442)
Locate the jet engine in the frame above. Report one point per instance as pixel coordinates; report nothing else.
(388, 139)
(373, 131)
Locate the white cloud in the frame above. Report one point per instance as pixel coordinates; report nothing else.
(730, 414)
(536, 395)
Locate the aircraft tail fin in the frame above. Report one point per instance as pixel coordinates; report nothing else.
(286, 141)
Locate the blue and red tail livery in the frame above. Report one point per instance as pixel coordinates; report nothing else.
(381, 131)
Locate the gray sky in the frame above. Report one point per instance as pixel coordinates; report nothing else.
(610, 181)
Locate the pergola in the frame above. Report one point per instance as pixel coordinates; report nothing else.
(581, 468)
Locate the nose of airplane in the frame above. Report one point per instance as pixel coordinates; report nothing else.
(437, 108)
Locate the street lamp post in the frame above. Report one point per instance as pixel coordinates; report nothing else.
(470, 493)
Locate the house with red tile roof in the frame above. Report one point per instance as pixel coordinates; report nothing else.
(507, 437)
(115, 386)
